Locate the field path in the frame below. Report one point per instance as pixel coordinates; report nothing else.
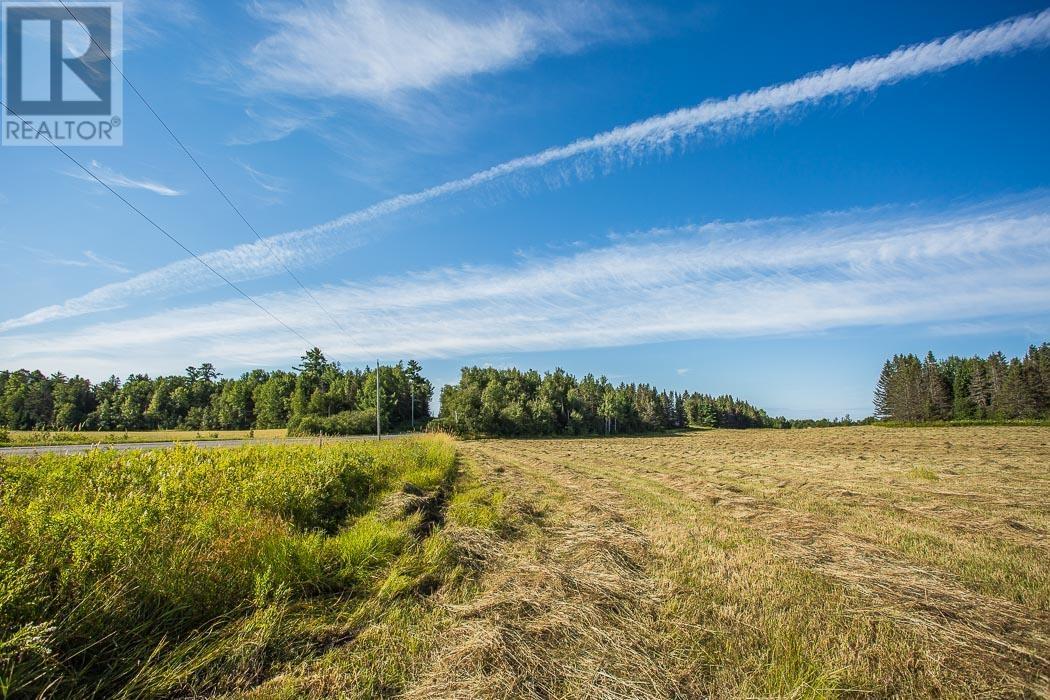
(809, 563)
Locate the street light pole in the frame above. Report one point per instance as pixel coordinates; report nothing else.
(379, 427)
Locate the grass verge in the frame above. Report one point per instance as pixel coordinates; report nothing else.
(39, 438)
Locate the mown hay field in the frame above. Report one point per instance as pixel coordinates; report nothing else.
(866, 562)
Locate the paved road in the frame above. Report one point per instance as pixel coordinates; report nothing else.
(72, 449)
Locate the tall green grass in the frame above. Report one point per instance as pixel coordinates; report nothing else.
(147, 573)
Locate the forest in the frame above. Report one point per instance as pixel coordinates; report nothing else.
(318, 397)
(512, 402)
(993, 389)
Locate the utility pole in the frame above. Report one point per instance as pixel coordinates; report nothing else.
(379, 427)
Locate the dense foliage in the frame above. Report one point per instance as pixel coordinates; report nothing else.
(149, 572)
(965, 389)
(510, 402)
(319, 397)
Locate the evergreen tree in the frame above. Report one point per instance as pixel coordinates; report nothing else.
(937, 406)
(885, 391)
(978, 391)
(962, 407)
(964, 389)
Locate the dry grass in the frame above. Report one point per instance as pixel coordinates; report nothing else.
(821, 563)
(569, 614)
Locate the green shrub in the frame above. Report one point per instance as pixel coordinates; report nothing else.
(5, 437)
(345, 423)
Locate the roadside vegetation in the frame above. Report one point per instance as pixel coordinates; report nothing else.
(187, 571)
(30, 438)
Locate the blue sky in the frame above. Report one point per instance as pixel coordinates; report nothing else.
(752, 198)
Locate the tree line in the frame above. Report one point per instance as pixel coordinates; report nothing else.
(318, 397)
(995, 388)
(512, 402)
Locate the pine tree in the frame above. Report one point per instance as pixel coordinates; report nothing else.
(1037, 377)
(936, 404)
(1015, 400)
(962, 408)
(978, 390)
(996, 371)
(909, 397)
(679, 411)
(884, 392)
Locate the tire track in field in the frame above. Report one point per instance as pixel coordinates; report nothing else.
(566, 612)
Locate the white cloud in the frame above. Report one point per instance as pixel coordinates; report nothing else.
(151, 21)
(117, 180)
(269, 183)
(256, 260)
(104, 262)
(1036, 328)
(88, 259)
(375, 49)
(752, 278)
(275, 122)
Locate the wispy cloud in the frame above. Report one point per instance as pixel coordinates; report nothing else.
(274, 122)
(88, 259)
(1036, 328)
(752, 278)
(269, 183)
(376, 49)
(115, 179)
(255, 260)
(151, 21)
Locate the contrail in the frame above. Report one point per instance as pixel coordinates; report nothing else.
(251, 261)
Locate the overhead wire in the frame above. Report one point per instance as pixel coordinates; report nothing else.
(156, 225)
(229, 201)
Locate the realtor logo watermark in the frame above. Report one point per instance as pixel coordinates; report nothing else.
(59, 84)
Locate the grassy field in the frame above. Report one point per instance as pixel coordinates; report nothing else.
(866, 562)
(32, 438)
(848, 562)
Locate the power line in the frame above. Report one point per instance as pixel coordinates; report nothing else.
(204, 172)
(155, 225)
